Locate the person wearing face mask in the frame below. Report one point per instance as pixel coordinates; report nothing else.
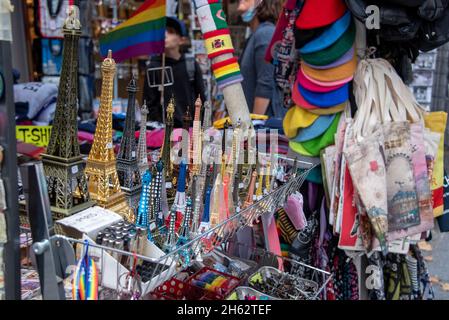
(259, 86)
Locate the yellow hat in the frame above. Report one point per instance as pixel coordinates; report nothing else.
(333, 74)
(297, 118)
(219, 124)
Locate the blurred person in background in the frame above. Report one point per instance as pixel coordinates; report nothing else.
(259, 86)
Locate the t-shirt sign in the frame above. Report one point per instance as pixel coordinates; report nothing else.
(37, 135)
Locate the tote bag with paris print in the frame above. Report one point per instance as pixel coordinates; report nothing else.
(403, 211)
(422, 181)
(366, 163)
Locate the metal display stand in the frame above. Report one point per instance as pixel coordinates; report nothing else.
(169, 265)
(9, 176)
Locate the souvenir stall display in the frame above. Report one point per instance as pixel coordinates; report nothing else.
(187, 212)
(328, 203)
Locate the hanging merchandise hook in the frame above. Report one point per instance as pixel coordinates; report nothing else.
(370, 53)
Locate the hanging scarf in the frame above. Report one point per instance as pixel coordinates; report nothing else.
(345, 277)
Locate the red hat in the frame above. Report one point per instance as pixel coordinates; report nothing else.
(299, 100)
(320, 13)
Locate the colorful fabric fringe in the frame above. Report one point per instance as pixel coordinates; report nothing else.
(227, 72)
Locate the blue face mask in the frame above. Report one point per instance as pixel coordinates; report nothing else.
(249, 15)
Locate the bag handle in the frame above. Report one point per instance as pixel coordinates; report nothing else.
(367, 116)
(382, 97)
(406, 103)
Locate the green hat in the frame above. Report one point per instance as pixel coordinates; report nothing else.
(314, 146)
(298, 148)
(334, 52)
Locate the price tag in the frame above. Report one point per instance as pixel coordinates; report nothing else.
(168, 185)
(133, 154)
(109, 145)
(152, 226)
(241, 185)
(74, 169)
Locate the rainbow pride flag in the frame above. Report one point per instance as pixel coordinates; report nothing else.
(142, 34)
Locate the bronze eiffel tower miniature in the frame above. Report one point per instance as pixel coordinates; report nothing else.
(170, 173)
(63, 163)
(101, 171)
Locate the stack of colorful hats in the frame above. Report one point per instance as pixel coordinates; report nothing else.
(325, 38)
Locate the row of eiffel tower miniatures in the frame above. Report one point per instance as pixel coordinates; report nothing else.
(214, 192)
(127, 185)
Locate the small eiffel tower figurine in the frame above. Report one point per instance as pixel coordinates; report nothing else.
(184, 231)
(101, 172)
(156, 209)
(142, 219)
(180, 196)
(196, 148)
(142, 155)
(166, 147)
(63, 163)
(196, 204)
(170, 241)
(207, 116)
(186, 141)
(205, 220)
(127, 167)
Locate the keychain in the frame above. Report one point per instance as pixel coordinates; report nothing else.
(133, 286)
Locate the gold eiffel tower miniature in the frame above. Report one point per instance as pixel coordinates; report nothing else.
(101, 171)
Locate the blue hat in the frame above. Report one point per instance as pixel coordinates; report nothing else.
(329, 36)
(326, 99)
(316, 129)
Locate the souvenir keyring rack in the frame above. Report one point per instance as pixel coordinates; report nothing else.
(171, 264)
